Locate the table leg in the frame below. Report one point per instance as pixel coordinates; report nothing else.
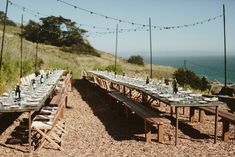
(29, 138)
(176, 125)
(171, 111)
(216, 123)
(124, 90)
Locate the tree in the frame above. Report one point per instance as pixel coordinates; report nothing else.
(58, 31)
(8, 22)
(31, 31)
(136, 60)
(187, 77)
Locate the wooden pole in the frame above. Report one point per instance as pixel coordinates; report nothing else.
(185, 65)
(3, 36)
(225, 57)
(21, 47)
(150, 36)
(116, 49)
(36, 55)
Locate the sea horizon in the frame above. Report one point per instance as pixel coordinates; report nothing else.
(209, 66)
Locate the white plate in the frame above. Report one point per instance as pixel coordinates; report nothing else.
(175, 99)
(31, 103)
(185, 92)
(14, 106)
(195, 95)
(165, 95)
(211, 99)
(202, 102)
(5, 94)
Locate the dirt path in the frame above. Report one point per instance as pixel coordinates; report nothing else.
(97, 128)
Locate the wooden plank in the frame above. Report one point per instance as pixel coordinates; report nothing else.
(222, 114)
(119, 96)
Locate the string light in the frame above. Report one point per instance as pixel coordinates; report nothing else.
(39, 14)
(138, 24)
(141, 27)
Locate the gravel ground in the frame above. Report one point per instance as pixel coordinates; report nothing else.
(98, 128)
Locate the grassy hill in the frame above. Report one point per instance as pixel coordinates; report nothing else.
(53, 57)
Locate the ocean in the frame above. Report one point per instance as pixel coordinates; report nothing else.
(210, 66)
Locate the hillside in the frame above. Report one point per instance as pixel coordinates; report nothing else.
(53, 57)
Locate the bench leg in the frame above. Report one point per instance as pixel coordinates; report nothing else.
(172, 112)
(225, 133)
(201, 116)
(183, 110)
(147, 130)
(160, 133)
(192, 115)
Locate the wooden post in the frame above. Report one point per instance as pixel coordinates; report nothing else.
(3, 36)
(225, 57)
(192, 114)
(150, 41)
(216, 123)
(225, 133)
(29, 138)
(147, 130)
(160, 133)
(176, 125)
(116, 49)
(21, 47)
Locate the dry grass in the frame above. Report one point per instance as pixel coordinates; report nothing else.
(53, 57)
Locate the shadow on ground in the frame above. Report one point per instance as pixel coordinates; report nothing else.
(7, 120)
(112, 115)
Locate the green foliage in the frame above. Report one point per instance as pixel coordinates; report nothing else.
(28, 65)
(98, 66)
(31, 31)
(111, 67)
(59, 31)
(83, 49)
(8, 22)
(136, 60)
(187, 77)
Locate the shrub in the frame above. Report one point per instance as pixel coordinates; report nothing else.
(111, 67)
(187, 77)
(98, 66)
(136, 60)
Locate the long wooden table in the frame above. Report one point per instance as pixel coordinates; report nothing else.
(177, 105)
(31, 109)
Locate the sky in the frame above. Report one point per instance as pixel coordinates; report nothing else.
(204, 39)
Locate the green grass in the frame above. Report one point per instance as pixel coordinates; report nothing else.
(53, 57)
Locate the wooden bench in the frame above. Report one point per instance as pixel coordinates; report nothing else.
(150, 117)
(226, 117)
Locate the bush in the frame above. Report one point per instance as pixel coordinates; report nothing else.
(111, 67)
(136, 60)
(187, 77)
(8, 22)
(81, 50)
(98, 66)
